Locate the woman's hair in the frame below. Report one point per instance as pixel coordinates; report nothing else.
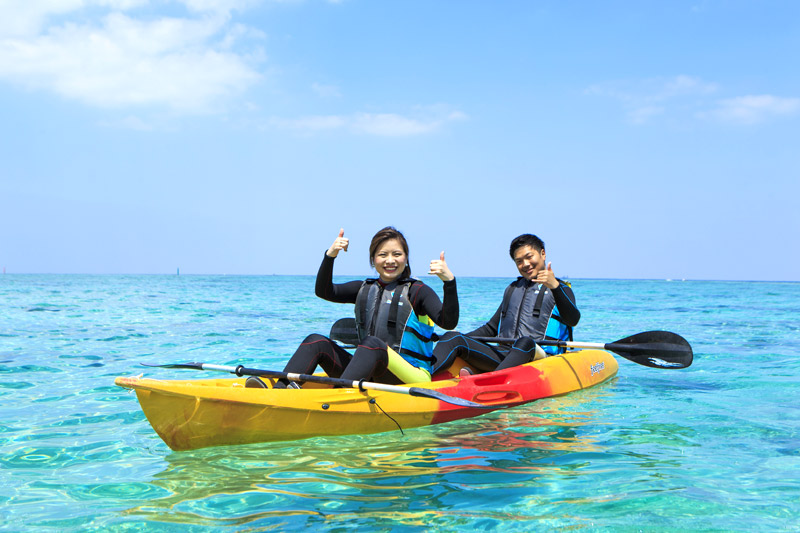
(386, 234)
(526, 239)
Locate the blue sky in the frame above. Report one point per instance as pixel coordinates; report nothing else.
(638, 139)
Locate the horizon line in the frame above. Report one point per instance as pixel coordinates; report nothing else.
(164, 274)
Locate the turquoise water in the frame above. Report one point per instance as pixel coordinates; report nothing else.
(714, 447)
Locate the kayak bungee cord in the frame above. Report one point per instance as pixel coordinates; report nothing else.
(375, 402)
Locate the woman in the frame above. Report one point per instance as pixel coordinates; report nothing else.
(394, 317)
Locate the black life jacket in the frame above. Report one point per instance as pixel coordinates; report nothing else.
(529, 310)
(386, 312)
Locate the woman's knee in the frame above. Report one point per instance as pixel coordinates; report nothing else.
(370, 360)
(373, 343)
(373, 349)
(315, 338)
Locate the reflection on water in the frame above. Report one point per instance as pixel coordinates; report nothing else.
(710, 447)
(384, 478)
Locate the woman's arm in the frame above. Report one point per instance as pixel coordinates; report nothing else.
(325, 288)
(426, 302)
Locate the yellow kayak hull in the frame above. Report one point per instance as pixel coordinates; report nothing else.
(191, 414)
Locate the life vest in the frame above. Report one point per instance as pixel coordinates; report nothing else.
(387, 313)
(529, 310)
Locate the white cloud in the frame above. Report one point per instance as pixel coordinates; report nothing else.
(645, 99)
(391, 125)
(28, 17)
(376, 124)
(652, 89)
(310, 124)
(754, 108)
(683, 85)
(326, 91)
(219, 6)
(642, 114)
(121, 55)
(182, 64)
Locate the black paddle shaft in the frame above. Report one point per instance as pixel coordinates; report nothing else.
(656, 349)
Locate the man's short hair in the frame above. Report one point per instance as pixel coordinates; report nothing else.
(526, 239)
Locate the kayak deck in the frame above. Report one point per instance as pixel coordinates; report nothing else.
(191, 414)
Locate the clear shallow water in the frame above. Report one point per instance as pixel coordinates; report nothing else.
(714, 447)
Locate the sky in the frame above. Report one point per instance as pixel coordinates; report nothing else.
(651, 139)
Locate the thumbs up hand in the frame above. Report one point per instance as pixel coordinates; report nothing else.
(547, 277)
(341, 243)
(439, 268)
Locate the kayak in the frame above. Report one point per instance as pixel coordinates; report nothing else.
(192, 414)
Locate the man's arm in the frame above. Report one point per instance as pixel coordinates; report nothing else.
(565, 302)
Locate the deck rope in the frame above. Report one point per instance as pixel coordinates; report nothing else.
(373, 401)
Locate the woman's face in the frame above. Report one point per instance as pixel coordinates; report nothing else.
(390, 260)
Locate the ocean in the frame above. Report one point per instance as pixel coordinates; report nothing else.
(715, 447)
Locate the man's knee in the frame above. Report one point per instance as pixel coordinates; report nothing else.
(529, 346)
(452, 340)
(449, 336)
(525, 344)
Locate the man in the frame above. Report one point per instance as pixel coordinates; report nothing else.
(536, 306)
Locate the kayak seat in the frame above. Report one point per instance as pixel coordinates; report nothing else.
(254, 382)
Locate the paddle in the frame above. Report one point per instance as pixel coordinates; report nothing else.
(656, 349)
(361, 385)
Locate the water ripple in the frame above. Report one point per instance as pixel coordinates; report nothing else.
(653, 449)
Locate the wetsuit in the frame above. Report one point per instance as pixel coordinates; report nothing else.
(526, 314)
(371, 359)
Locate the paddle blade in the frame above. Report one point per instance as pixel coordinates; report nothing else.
(344, 330)
(436, 395)
(656, 349)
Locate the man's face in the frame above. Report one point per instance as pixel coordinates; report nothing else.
(529, 261)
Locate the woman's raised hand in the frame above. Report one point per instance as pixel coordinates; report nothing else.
(439, 268)
(340, 243)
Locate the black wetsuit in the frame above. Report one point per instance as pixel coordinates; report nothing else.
(486, 357)
(371, 357)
